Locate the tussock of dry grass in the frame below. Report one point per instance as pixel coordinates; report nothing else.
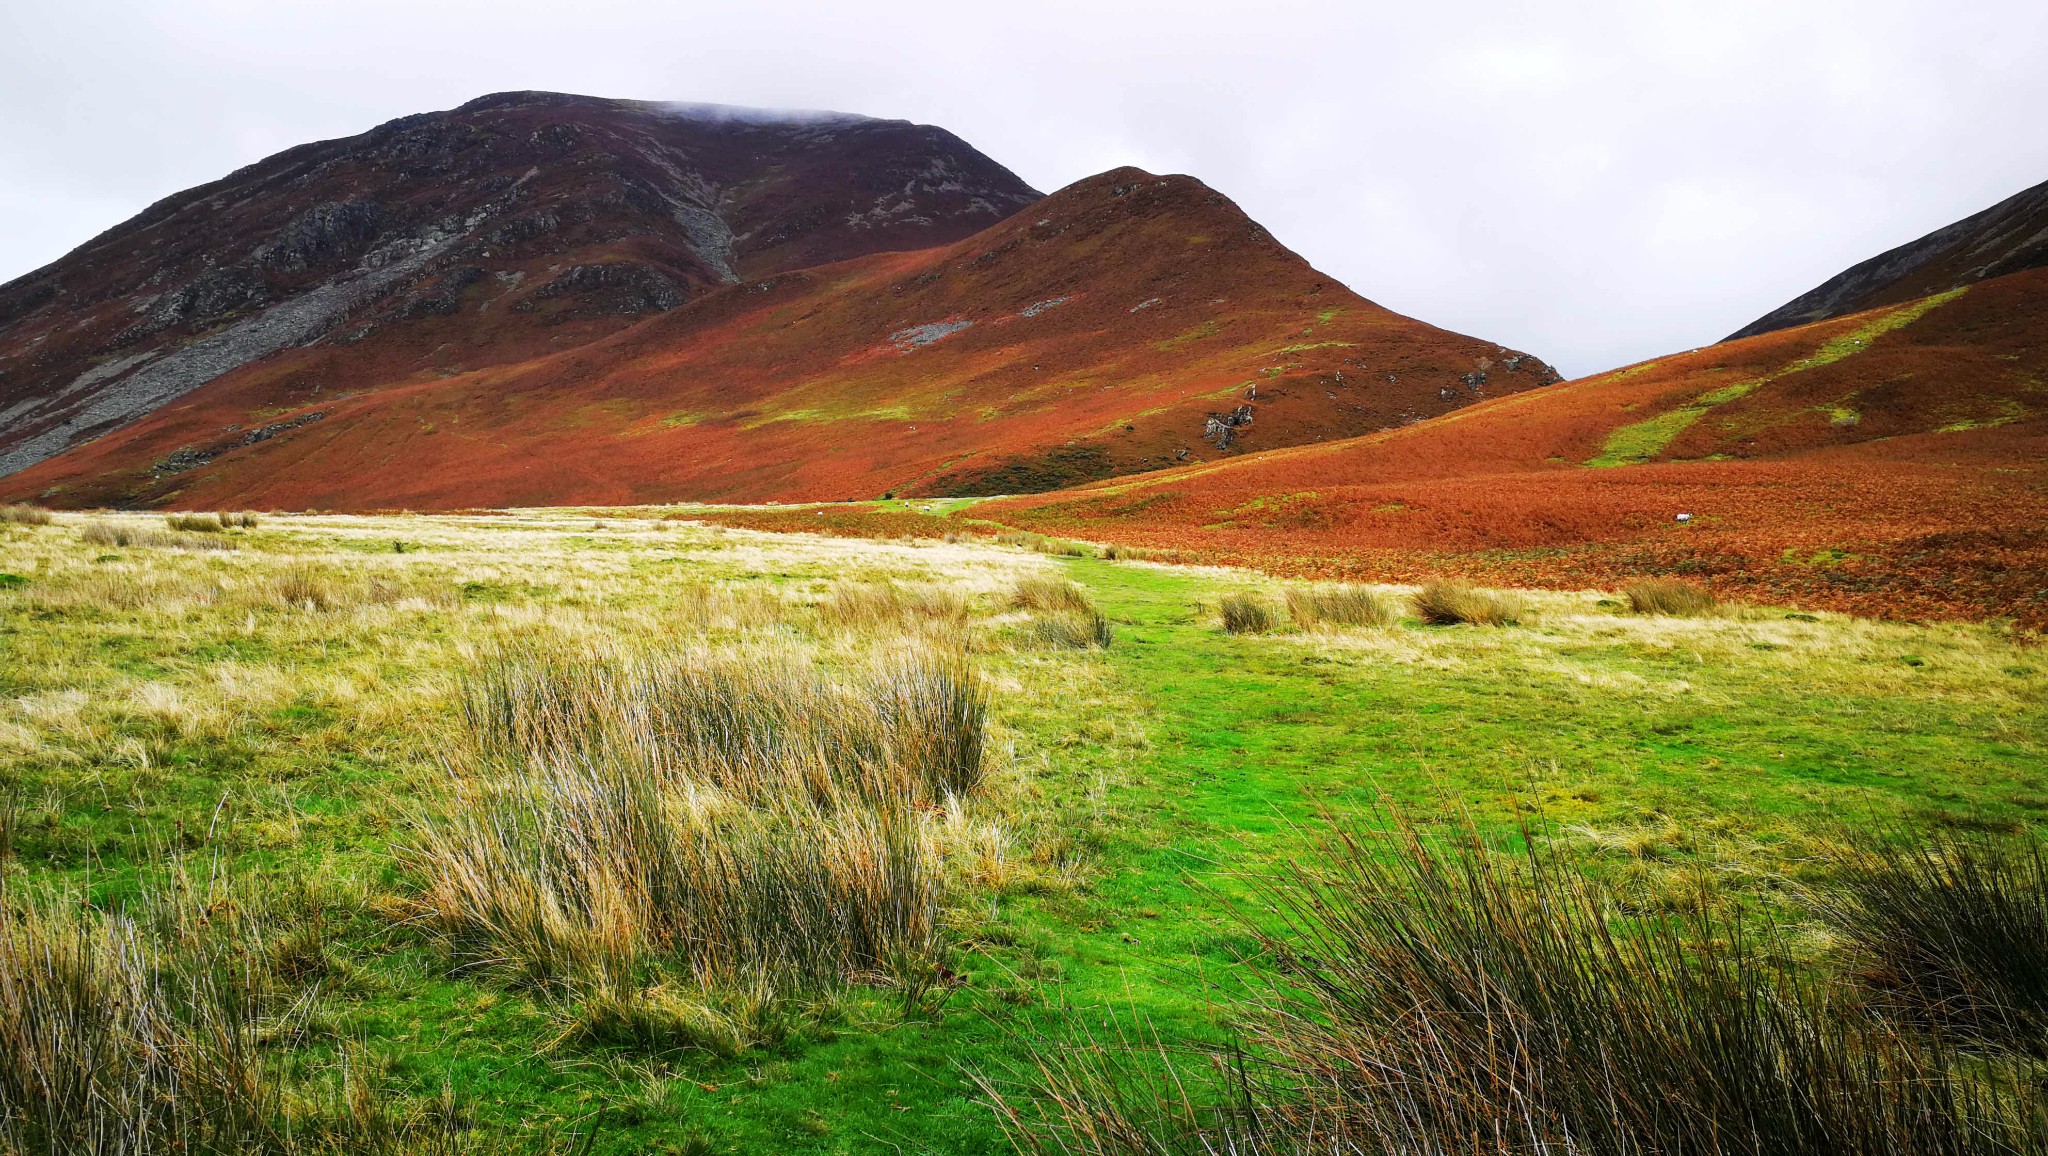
(20, 515)
(1116, 553)
(704, 607)
(1671, 597)
(148, 1027)
(1072, 630)
(1950, 932)
(1062, 615)
(1340, 605)
(1050, 593)
(1040, 544)
(871, 607)
(1456, 604)
(1472, 998)
(734, 814)
(124, 535)
(1245, 614)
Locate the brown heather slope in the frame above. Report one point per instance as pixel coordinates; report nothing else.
(1889, 462)
(1125, 322)
(517, 225)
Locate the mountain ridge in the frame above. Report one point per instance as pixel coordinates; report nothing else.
(2009, 237)
(1127, 320)
(582, 212)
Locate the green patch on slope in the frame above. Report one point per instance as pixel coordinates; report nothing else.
(1641, 441)
(1205, 329)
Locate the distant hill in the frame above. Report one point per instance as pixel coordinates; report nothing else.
(1893, 461)
(2008, 237)
(516, 225)
(1127, 322)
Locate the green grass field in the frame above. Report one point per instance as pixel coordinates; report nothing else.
(283, 714)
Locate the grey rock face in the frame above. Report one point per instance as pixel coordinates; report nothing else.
(1221, 428)
(282, 326)
(618, 287)
(325, 233)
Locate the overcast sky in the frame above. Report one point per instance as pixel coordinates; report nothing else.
(1593, 182)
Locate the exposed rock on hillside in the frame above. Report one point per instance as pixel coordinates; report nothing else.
(430, 244)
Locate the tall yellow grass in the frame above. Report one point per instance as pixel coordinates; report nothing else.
(734, 815)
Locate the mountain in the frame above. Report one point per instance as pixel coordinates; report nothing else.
(1126, 322)
(1893, 461)
(513, 226)
(2008, 237)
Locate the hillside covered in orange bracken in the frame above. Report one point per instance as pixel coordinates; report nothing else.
(1126, 323)
(1892, 461)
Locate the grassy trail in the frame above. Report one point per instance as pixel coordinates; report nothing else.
(1680, 757)
(1253, 736)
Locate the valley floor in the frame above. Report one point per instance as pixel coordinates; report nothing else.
(289, 712)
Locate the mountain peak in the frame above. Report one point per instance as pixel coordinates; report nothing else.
(544, 219)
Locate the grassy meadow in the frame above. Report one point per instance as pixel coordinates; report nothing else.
(612, 832)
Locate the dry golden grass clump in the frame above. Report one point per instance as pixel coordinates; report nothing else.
(860, 607)
(20, 515)
(1063, 617)
(210, 523)
(1040, 544)
(304, 587)
(1671, 597)
(165, 1023)
(735, 816)
(1455, 604)
(1116, 553)
(1048, 592)
(1950, 930)
(122, 535)
(1412, 996)
(1072, 630)
(1340, 605)
(1245, 614)
(143, 1028)
(707, 606)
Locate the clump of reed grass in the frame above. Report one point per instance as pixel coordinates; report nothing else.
(1048, 592)
(1117, 553)
(24, 515)
(662, 1018)
(734, 814)
(304, 587)
(1672, 597)
(1244, 614)
(1477, 998)
(884, 606)
(708, 606)
(1950, 931)
(1340, 605)
(142, 1028)
(1063, 617)
(1072, 630)
(117, 534)
(1456, 604)
(196, 523)
(1040, 544)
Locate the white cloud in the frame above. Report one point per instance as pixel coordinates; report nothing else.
(1595, 181)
